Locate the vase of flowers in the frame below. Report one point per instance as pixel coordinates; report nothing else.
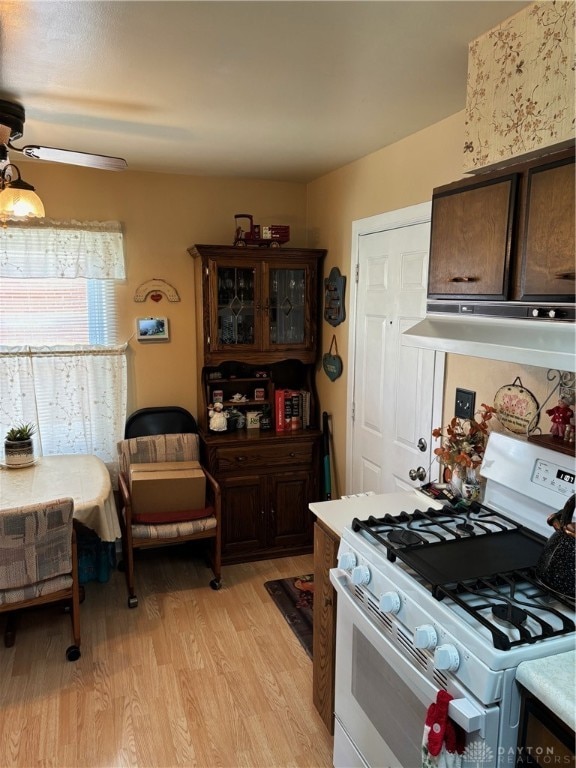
(18, 446)
(462, 450)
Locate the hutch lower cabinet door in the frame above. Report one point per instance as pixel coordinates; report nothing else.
(266, 484)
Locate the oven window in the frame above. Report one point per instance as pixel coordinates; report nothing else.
(397, 714)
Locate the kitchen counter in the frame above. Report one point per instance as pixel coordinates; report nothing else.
(552, 680)
(339, 513)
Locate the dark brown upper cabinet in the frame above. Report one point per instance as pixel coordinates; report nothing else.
(506, 235)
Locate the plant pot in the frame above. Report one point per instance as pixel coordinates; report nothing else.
(18, 453)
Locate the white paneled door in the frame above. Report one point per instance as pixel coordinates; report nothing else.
(395, 391)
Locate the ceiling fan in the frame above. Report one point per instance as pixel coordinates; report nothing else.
(12, 118)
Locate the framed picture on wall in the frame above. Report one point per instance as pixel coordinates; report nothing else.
(152, 329)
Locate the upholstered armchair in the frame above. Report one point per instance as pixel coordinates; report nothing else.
(196, 524)
(38, 563)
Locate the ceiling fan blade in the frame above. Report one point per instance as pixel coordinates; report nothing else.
(85, 159)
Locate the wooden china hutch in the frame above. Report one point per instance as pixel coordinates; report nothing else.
(257, 338)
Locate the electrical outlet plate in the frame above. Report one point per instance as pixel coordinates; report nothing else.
(465, 404)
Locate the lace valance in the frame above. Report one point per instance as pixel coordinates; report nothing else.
(42, 248)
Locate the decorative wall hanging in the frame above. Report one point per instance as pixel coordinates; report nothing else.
(516, 407)
(334, 285)
(156, 289)
(332, 363)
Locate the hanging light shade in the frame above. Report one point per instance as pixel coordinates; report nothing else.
(17, 198)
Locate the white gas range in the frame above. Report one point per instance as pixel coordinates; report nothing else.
(433, 598)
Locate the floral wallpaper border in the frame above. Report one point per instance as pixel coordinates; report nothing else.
(520, 88)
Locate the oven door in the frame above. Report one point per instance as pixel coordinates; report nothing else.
(381, 699)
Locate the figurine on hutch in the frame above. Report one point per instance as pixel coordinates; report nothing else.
(562, 417)
(218, 418)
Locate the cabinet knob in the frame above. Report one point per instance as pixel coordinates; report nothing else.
(292, 454)
(240, 459)
(464, 279)
(327, 602)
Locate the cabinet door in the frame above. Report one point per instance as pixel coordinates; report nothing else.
(471, 239)
(290, 520)
(243, 515)
(324, 638)
(290, 307)
(235, 297)
(549, 242)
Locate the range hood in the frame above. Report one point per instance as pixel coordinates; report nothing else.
(544, 343)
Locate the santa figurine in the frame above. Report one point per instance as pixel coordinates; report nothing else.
(218, 418)
(561, 416)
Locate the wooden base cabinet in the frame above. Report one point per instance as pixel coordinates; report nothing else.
(324, 639)
(267, 483)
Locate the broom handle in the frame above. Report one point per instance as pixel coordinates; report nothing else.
(326, 445)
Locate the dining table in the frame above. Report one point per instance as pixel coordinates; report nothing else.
(83, 477)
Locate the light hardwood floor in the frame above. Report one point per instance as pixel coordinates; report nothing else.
(191, 677)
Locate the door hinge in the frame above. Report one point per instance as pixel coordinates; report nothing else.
(357, 272)
(353, 411)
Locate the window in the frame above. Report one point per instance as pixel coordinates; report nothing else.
(60, 365)
(56, 311)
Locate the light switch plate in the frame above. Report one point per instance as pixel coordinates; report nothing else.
(465, 403)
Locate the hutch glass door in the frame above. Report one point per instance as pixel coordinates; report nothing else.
(287, 292)
(236, 306)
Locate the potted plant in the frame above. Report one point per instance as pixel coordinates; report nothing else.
(18, 446)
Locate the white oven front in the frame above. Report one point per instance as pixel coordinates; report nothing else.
(382, 698)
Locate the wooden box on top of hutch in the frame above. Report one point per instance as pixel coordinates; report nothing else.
(257, 336)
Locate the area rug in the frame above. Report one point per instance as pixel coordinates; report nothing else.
(295, 599)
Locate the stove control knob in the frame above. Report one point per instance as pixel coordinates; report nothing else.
(360, 575)
(446, 658)
(389, 602)
(425, 637)
(347, 561)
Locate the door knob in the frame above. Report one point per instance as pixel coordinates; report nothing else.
(417, 474)
(422, 444)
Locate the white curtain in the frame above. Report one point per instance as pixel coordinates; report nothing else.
(76, 395)
(47, 248)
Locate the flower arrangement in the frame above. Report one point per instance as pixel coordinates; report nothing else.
(464, 440)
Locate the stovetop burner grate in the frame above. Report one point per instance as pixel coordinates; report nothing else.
(526, 612)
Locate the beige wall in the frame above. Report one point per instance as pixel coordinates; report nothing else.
(395, 177)
(162, 215)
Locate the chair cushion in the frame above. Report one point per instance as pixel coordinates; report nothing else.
(35, 543)
(173, 530)
(161, 518)
(152, 448)
(30, 591)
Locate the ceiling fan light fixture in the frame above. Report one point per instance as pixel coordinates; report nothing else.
(18, 198)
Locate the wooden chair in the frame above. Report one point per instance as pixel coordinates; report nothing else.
(174, 530)
(38, 563)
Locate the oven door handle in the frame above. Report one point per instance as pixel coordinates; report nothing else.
(466, 715)
(463, 711)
